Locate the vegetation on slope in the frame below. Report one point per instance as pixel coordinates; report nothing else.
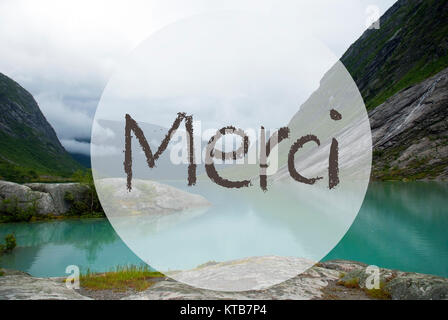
(29, 147)
(410, 46)
(24, 160)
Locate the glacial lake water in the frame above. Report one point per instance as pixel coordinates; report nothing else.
(400, 226)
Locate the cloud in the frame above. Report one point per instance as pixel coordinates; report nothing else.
(234, 69)
(72, 122)
(80, 147)
(74, 146)
(64, 52)
(103, 151)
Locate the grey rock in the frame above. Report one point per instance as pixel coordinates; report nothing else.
(410, 131)
(16, 285)
(401, 285)
(412, 286)
(57, 192)
(26, 197)
(146, 197)
(254, 273)
(313, 284)
(308, 285)
(48, 197)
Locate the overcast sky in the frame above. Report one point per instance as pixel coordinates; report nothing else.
(64, 52)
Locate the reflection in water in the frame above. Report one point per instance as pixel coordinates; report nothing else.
(400, 225)
(47, 248)
(292, 220)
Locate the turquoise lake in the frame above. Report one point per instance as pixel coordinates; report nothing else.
(400, 226)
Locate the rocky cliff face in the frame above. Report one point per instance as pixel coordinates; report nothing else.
(48, 198)
(401, 72)
(27, 140)
(410, 132)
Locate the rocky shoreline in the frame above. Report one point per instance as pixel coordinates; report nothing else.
(333, 280)
(57, 199)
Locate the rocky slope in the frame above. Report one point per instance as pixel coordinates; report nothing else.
(410, 132)
(27, 141)
(401, 71)
(330, 280)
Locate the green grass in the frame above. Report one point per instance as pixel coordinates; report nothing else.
(28, 159)
(378, 294)
(350, 283)
(21, 174)
(120, 279)
(353, 283)
(417, 169)
(418, 74)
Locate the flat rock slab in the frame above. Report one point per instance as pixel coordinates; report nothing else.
(307, 286)
(21, 286)
(322, 281)
(255, 273)
(257, 270)
(146, 197)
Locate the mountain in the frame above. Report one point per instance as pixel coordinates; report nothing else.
(410, 46)
(83, 159)
(29, 146)
(402, 73)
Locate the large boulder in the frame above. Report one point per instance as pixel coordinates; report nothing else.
(26, 197)
(397, 285)
(146, 197)
(59, 191)
(48, 198)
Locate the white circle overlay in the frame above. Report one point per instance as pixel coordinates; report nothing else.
(249, 71)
